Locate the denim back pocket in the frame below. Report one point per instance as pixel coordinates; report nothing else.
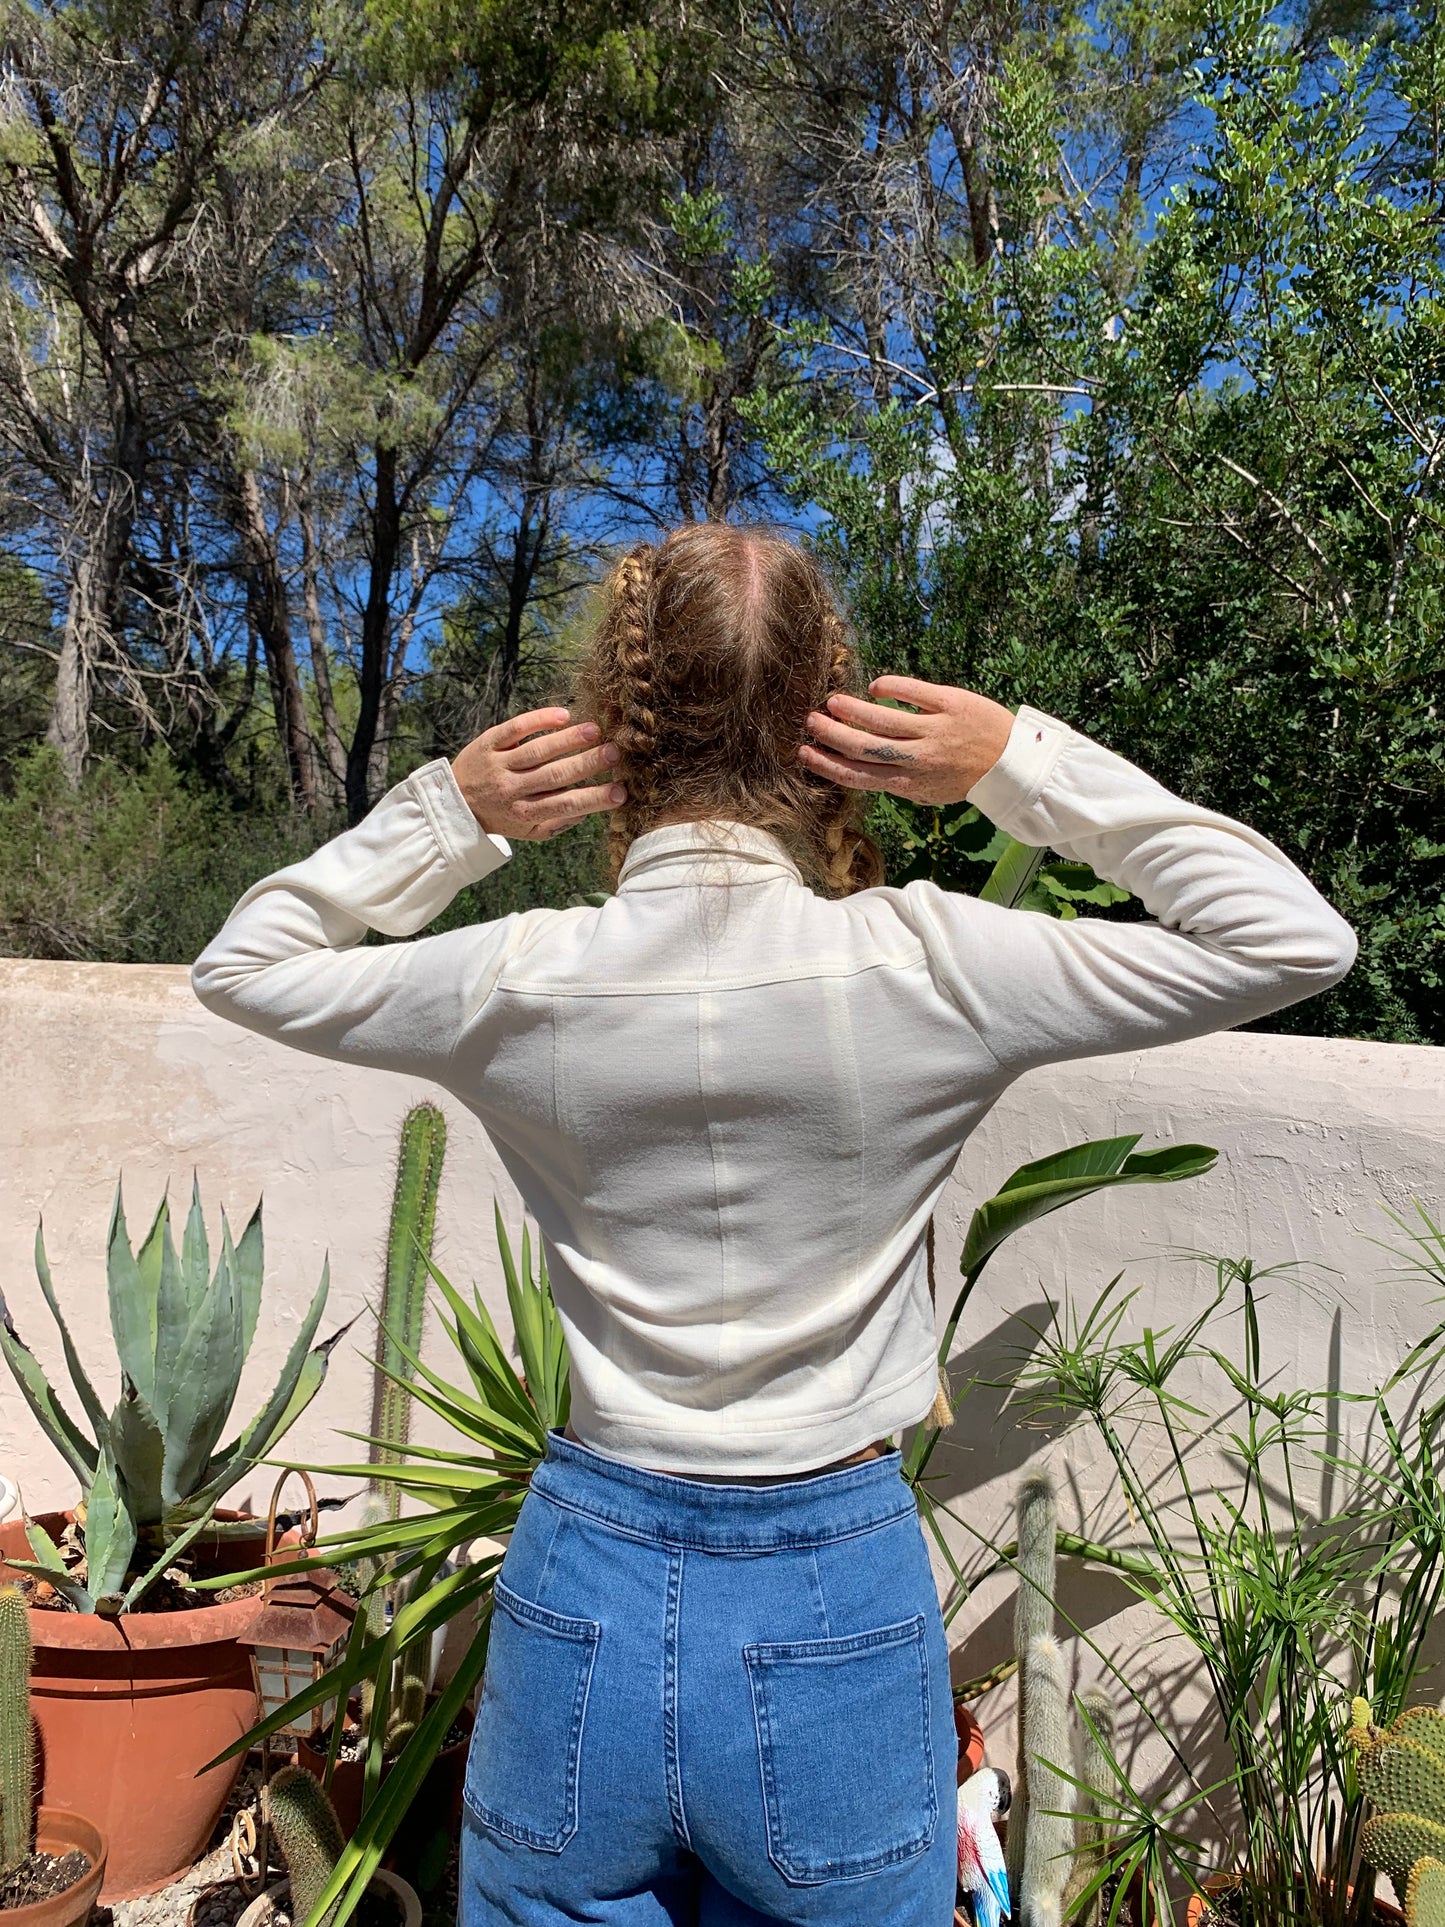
(844, 1746)
(526, 1749)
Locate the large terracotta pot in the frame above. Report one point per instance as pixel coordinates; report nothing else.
(59, 1833)
(128, 1711)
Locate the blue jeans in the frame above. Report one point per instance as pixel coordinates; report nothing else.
(714, 1705)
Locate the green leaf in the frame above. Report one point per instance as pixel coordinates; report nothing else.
(48, 1564)
(79, 1453)
(247, 1271)
(110, 1538)
(138, 1446)
(1036, 1189)
(79, 1378)
(174, 1317)
(132, 1301)
(203, 1389)
(1013, 874)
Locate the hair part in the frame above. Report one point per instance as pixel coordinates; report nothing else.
(712, 648)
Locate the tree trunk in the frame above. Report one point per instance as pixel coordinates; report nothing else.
(69, 727)
(333, 749)
(271, 611)
(375, 628)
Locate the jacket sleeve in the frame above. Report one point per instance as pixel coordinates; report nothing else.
(1238, 930)
(289, 961)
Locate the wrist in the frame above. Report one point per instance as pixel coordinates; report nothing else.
(990, 727)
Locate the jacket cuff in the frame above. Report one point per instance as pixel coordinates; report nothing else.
(1019, 777)
(464, 844)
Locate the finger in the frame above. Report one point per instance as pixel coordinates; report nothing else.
(874, 717)
(571, 769)
(934, 698)
(856, 744)
(516, 729)
(538, 751)
(852, 776)
(570, 806)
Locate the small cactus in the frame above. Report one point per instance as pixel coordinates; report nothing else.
(1402, 1772)
(1033, 1619)
(309, 1836)
(17, 1743)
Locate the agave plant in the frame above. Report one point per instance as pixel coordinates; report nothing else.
(153, 1469)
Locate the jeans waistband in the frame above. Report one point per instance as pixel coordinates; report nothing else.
(671, 1510)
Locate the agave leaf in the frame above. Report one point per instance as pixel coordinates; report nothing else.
(195, 1252)
(79, 1453)
(109, 1538)
(301, 1378)
(79, 1378)
(173, 1322)
(48, 1564)
(150, 1261)
(138, 1448)
(200, 1397)
(132, 1315)
(247, 1270)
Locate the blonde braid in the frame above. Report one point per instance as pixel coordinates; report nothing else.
(636, 730)
(854, 861)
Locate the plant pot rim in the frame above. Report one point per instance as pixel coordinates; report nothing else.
(139, 1631)
(1223, 1883)
(59, 1828)
(255, 1914)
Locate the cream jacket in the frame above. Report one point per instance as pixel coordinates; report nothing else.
(730, 1104)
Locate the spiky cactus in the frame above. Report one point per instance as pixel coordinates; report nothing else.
(1033, 1619)
(17, 1743)
(309, 1835)
(1402, 1773)
(1097, 1784)
(403, 1298)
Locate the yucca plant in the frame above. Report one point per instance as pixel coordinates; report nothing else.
(470, 1490)
(152, 1470)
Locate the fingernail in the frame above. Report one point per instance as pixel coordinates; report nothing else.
(612, 753)
(617, 793)
(590, 732)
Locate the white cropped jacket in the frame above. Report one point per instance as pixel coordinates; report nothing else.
(731, 1104)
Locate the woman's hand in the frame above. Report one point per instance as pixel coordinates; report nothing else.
(932, 753)
(527, 778)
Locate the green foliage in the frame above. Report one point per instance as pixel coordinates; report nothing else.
(17, 1742)
(943, 847)
(310, 1838)
(403, 1300)
(154, 1469)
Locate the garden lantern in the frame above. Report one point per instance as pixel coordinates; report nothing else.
(301, 1628)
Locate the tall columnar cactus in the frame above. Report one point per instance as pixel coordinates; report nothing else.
(1033, 1620)
(1098, 1782)
(154, 1468)
(1048, 1828)
(17, 1743)
(1402, 1773)
(403, 1298)
(309, 1836)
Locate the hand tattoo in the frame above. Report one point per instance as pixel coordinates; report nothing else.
(886, 753)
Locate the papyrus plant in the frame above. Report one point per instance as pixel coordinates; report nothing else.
(152, 1469)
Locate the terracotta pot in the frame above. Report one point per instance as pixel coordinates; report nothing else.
(128, 1711)
(970, 1742)
(263, 1907)
(59, 1832)
(1219, 1884)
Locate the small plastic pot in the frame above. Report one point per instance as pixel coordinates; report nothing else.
(58, 1832)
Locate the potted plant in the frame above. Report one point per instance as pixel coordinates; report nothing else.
(304, 1825)
(51, 1862)
(138, 1677)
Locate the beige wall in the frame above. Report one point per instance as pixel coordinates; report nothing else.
(105, 1069)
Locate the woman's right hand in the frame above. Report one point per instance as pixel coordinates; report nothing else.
(526, 778)
(933, 752)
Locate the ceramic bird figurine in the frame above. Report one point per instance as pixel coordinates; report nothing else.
(981, 1800)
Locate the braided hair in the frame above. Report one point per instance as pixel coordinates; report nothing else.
(712, 648)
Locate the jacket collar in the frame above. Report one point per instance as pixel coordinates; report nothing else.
(707, 852)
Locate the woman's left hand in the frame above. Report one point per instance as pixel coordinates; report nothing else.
(526, 778)
(932, 752)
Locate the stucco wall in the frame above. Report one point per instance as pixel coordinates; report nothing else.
(107, 1070)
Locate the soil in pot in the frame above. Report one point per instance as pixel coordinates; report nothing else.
(57, 1884)
(128, 1711)
(40, 1876)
